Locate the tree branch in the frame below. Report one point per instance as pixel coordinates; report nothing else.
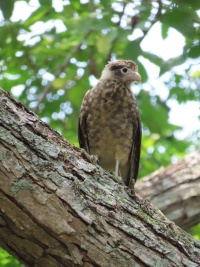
(175, 190)
(59, 209)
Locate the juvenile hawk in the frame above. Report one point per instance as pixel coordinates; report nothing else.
(109, 122)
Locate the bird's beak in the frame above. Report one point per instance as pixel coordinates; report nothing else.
(136, 76)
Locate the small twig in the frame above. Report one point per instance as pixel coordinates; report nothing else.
(159, 13)
(61, 68)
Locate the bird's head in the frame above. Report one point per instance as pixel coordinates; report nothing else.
(122, 70)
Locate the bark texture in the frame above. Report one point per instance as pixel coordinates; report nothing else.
(58, 209)
(175, 190)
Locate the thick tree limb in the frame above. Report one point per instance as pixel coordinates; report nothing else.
(175, 190)
(57, 209)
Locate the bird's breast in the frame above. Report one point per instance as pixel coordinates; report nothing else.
(111, 122)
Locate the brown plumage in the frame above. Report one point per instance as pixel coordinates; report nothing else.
(109, 122)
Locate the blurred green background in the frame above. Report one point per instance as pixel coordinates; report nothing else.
(52, 52)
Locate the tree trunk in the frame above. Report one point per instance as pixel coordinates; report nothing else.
(58, 209)
(175, 190)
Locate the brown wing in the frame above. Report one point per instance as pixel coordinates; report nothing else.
(82, 125)
(134, 158)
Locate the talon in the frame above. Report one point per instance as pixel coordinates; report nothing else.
(118, 179)
(91, 158)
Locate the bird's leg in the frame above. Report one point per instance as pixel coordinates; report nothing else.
(116, 168)
(118, 178)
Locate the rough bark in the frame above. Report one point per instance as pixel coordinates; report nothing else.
(58, 209)
(175, 190)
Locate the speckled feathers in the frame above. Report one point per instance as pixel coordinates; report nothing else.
(109, 122)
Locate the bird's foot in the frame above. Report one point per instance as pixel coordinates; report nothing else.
(95, 158)
(130, 191)
(91, 158)
(118, 179)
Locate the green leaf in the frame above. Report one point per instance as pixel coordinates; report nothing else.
(105, 42)
(46, 2)
(7, 260)
(164, 30)
(132, 50)
(195, 231)
(168, 65)
(194, 51)
(182, 19)
(158, 121)
(37, 15)
(153, 58)
(142, 71)
(7, 8)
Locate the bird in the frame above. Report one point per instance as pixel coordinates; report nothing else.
(109, 124)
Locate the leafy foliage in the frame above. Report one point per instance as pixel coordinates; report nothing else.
(7, 261)
(52, 56)
(195, 231)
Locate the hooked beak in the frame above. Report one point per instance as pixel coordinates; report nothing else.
(136, 76)
(133, 76)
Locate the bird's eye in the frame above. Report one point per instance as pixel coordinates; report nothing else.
(124, 70)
